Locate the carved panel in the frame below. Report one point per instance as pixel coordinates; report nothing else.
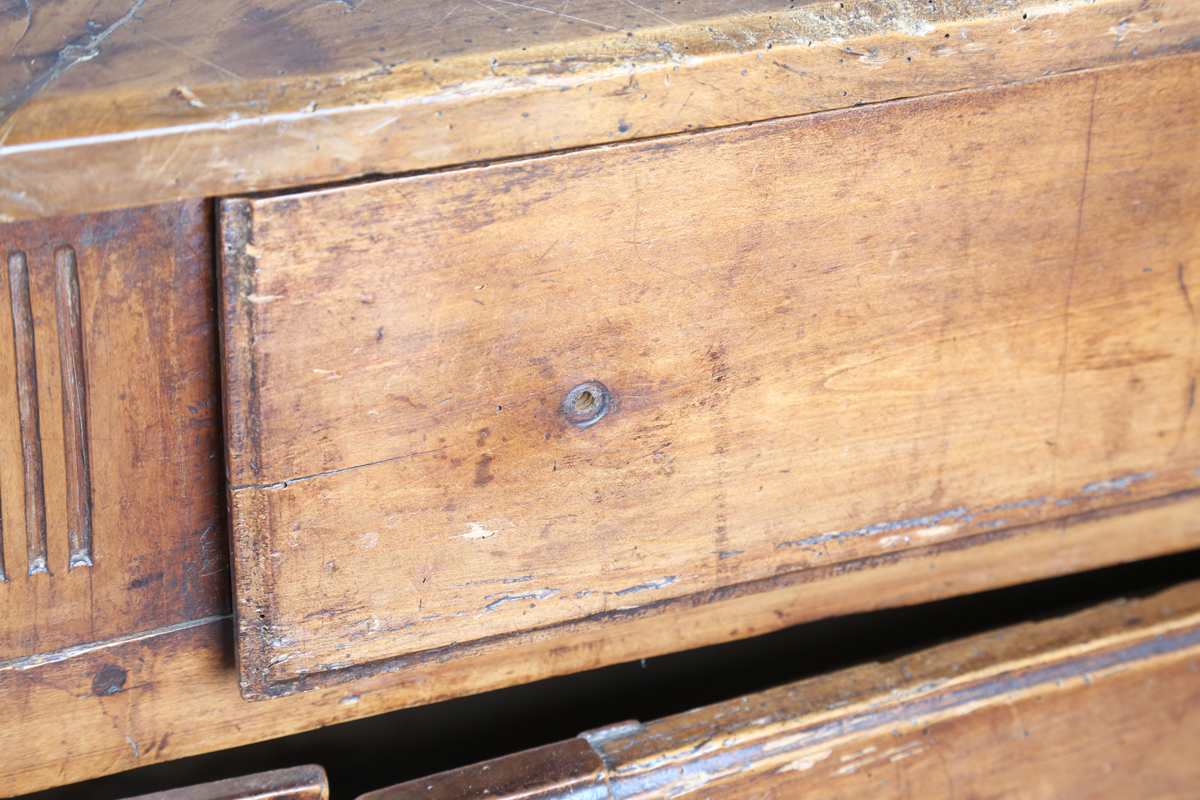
(69, 331)
(110, 494)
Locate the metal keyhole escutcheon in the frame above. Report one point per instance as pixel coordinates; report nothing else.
(586, 403)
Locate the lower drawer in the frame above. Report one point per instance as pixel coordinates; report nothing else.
(1104, 703)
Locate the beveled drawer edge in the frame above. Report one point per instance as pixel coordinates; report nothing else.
(1012, 555)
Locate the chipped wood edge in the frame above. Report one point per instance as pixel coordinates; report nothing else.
(248, 554)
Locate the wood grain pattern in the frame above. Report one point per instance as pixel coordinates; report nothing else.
(174, 692)
(825, 338)
(115, 103)
(1102, 703)
(296, 783)
(570, 769)
(109, 429)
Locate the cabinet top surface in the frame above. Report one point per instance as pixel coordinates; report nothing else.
(120, 103)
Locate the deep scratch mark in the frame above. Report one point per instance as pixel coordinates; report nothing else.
(881, 527)
(1186, 295)
(448, 14)
(28, 22)
(66, 58)
(1116, 484)
(1037, 501)
(652, 13)
(1062, 389)
(540, 594)
(1187, 414)
(190, 54)
(284, 484)
(350, 7)
(555, 13)
(641, 587)
(1191, 403)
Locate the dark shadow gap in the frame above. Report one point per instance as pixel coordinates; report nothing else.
(402, 745)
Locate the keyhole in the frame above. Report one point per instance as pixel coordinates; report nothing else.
(586, 403)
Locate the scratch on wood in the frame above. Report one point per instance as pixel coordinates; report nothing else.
(74, 53)
(540, 594)
(556, 13)
(881, 527)
(28, 23)
(641, 587)
(202, 60)
(1116, 484)
(1191, 400)
(1063, 369)
(1039, 501)
(289, 481)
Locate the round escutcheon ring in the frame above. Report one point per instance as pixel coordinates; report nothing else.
(586, 403)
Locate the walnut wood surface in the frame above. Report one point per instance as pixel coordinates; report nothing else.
(296, 783)
(178, 689)
(115, 103)
(111, 512)
(570, 769)
(1102, 703)
(827, 337)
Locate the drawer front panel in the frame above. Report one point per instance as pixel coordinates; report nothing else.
(822, 339)
(1102, 703)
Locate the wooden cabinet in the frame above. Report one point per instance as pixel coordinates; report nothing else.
(518, 344)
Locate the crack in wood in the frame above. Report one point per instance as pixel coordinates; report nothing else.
(77, 51)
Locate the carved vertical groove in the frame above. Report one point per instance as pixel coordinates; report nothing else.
(74, 393)
(27, 410)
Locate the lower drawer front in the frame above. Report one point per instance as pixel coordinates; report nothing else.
(469, 409)
(295, 783)
(1105, 703)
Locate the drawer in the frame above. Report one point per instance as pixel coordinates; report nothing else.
(1099, 704)
(295, 783)
(470, 410)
